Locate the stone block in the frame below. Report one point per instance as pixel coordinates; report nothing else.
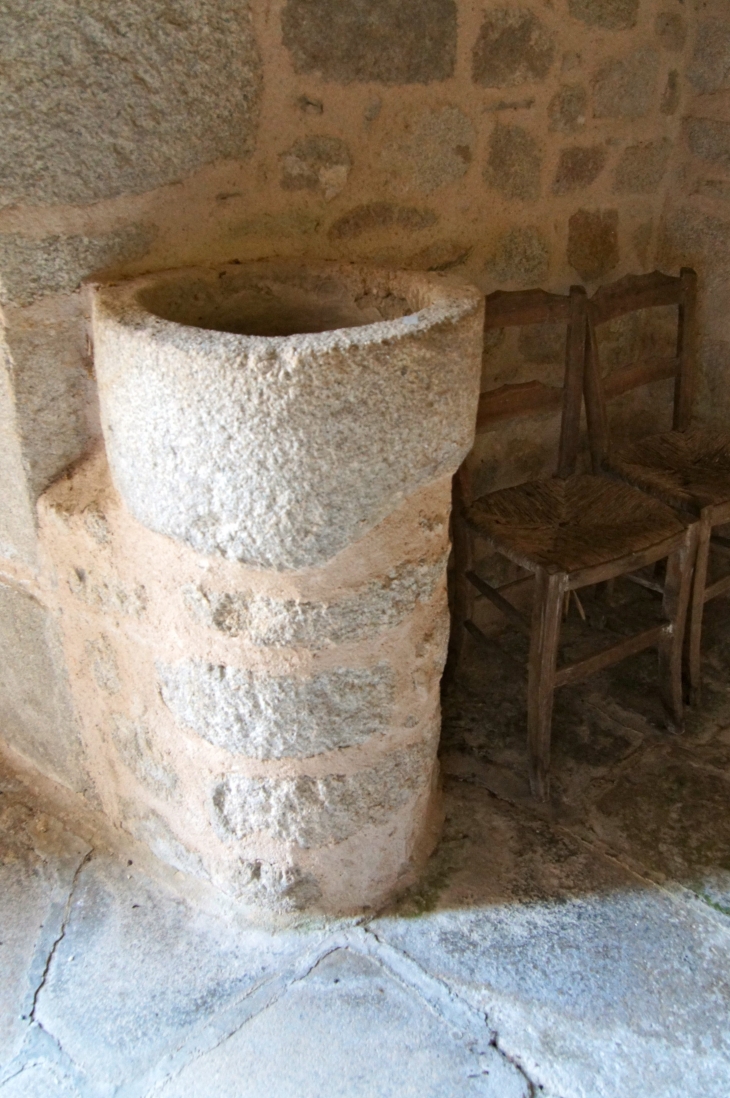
(572, 957)
(578, 167)
(514, 163)
(40, 1079)
(373, 41)
(709, 140)
(52, 389)
(345, 1008)
(436, 150)
(709, 70)
(17, 513)
(36, 714)
(95, 103)
(379, 217)
(670, 96)
(316, 164)
(513, 47)
(568, 108)
(274, 887)
(274, 717)
(607, 14)
(381, 604)
(671, 30)
(133, 950)
(38, 860)
(626, 87)
(521, 255)
(30, 269)
(138, 752)
(542, 344)
(593, 242)
(359, 388)
(318, 811)
(642, 167)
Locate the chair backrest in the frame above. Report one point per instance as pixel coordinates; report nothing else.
(629, 295)
(506, 309)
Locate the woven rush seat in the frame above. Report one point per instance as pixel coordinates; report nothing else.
(579, 522)
(687, 469)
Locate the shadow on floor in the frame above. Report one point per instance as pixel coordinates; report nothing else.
(656, 802)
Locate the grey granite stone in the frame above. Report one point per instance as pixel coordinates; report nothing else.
(379, 216)
(137, 750)
(139, 968)
(278, 888)
(671, 30)
(381, 604)
(514, 163)
(17, 509)
(316, 811)
(38, 860)
(542, 343)
(568, 108)
(436, 150)
(52, 390)
(155, 832)
(102, 659)
(602, 985)
(350, 1030)
(521, 255)
(266, 717)
(608, 14)
(593, 242)
(513, 47)
(97, 103)
(670, 96)
(625, 88)
(376, 41)
(29, 269)
(709, 140)
(281, 449)
(316, 163)
(36, 713)
(578, 167)
(710, 67)
(642, 167)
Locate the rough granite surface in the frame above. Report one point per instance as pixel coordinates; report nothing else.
(269, 622)
(280, 450)
(378, 41)
(267, 717)
(314, 811)
(98, 101)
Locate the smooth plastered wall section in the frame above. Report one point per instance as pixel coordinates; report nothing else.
(516, 144)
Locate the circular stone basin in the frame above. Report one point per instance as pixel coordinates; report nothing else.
(274, 412)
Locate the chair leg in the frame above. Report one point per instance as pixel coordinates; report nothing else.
(545, 634)
(463, 592)
(677, 589)
(693, 640)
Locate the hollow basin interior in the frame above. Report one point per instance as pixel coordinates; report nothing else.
(257, 303)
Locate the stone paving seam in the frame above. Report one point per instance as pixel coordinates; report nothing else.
(64, 922)
(41, 1047)
(214, 1031)
(437, 994)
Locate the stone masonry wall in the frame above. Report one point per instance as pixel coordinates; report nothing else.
(696, 225)
(516, 143)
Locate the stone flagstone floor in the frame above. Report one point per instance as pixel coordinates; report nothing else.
(576, 950)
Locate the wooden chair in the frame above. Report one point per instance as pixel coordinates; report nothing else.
(687, 468)
(571, 531)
